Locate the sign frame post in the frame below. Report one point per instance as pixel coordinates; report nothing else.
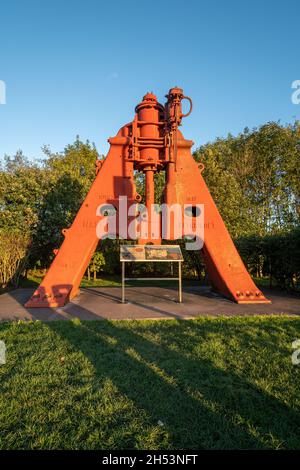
(140, 254)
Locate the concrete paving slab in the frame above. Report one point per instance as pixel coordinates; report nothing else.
(143, 303)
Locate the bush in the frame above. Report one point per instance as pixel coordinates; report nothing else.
(276, 256)
(13, 256)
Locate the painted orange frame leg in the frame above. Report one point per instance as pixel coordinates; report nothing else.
(225, 267)
(63, 278)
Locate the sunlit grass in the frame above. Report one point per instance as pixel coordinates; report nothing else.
(34, 280)
(205, 383)
(106, 280)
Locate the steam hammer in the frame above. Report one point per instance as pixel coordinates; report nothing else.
(150, 143)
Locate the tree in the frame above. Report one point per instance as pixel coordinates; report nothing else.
(69, 177)
(21, 192)
(254, 178)
(14, 247)
(97, 262)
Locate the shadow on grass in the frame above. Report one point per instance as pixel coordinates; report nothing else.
(199, 404)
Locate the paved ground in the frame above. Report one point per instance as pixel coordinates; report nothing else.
(143, 302)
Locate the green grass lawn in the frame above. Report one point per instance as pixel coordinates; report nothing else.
(34, 281)
(205, 383)
(107, 281)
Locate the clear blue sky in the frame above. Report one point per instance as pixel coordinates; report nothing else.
(80, 67)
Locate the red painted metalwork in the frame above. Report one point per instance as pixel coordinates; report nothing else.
(150, 143)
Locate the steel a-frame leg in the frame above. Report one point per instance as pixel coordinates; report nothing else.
(224, 265)
(63, 278)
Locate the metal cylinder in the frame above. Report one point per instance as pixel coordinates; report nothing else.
(148, 115)
(149, 188)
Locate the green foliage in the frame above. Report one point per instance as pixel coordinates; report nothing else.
(159, 183)
(255, 178)
(21, 193)
(111, 253)
(275, 255)
(41, 198)
(69, 177)
(97, 263)
(14, 247)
